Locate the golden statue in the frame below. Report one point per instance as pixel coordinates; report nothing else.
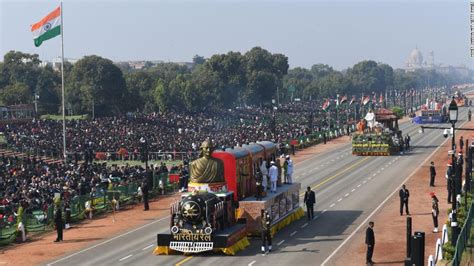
(206, 169)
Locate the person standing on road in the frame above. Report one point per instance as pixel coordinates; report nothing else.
(434, 211)
(404, 194)
(310, 200)
(145, 196)
(432, 174)
(370, 242)
(469, 115)
(58, 220)
(266, 234)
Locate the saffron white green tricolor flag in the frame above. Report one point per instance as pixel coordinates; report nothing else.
(49, 27)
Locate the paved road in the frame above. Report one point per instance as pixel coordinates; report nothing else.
(348, 189)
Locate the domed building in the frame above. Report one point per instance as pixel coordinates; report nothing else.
(415, 60)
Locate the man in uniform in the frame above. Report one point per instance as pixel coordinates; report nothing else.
(469, 115)
(432, 174)
(404, 194)
(145, 196)
(266, 234)
(58, 221)
(370, 242)
(309, 200)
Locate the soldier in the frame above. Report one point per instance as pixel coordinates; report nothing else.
(144, 188)
(266, 234)
(58, 221)
(434, 211)
(258, 180)
(469, 114)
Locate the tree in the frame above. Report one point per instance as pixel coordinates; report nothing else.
(140, 86)
(17, 93)
(98, 83)
(198, 60)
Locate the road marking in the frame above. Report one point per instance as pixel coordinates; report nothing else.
(250, 264)
(304, 225)
(279, 243)
(378, 207)
(107, 241)
(126, 257)
(353, 190)
(359, 185)
(332, 205)
(347, 194)
(147, 247)
(294, 233)
(338, 174)
(179, 263)
(382, 168)
(374, 174)
(369, 178)
(325, 210)
(316, 217)
(339, 200)
(365, 181)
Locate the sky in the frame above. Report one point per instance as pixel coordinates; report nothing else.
(337, 33)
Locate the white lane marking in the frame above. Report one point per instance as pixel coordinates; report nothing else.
(316, 217)
(147, 247)
(365, 181)
(339, 200)
(325, 210)
(251, 263)
(359, 185)
(347, 194)
(107, 241)
(315, 168)
(304, 225)
(279, 243)
(364, 223)
(374, 174)
(369, 177)
(332, 205)
(294, 233)
(353, 190)
(382, 168)
(126, 257)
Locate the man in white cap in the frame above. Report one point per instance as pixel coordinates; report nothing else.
(289, 169)
(273, 173)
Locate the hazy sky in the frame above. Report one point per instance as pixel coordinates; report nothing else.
(338, 33)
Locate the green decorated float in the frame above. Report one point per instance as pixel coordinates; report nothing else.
(377, 134)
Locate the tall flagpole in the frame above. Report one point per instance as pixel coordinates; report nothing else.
(62, 83)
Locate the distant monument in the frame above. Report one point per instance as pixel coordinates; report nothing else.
(207, 169)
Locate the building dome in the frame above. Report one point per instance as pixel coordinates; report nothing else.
(415, 59)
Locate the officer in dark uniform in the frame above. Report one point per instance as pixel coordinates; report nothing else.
(58, 222)
(370, 242)
(145, 196)
(266, 234)
(310, 200)
(432, 174)
(404, 194)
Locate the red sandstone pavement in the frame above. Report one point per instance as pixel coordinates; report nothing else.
(41, 248)
(390, 227)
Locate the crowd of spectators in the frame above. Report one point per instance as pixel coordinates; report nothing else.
(172, 132)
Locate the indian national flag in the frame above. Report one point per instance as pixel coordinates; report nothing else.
(47, 28)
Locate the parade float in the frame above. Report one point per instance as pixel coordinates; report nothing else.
(432, 112)
(220, 210)
(377, 134)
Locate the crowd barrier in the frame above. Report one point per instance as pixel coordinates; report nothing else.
(464, 238)
(38, 220)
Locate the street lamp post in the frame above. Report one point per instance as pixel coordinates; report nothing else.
(453, 117)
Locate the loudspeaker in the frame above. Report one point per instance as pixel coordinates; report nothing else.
(418, 249)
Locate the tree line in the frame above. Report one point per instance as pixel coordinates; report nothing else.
(221, 81)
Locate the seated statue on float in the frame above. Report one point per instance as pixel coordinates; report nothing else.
(206, 172)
